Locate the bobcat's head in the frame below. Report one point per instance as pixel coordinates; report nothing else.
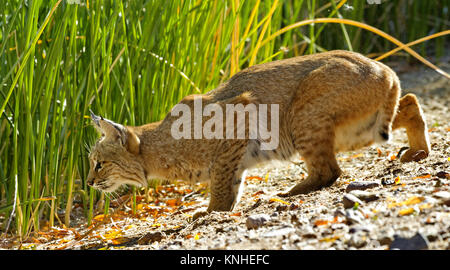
(114, 159)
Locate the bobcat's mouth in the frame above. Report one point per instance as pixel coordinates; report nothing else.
(104, 185)
(109, 185)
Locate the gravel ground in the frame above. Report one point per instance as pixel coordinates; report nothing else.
(378, 202)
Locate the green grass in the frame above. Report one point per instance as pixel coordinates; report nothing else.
(131, 61)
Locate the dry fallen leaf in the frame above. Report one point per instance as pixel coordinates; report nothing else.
(253, 177)
(411, 201)
(407, 211)
(238, 214)
(173, 202)
(329, 239)
(279, 200)
(257, 193)
(423, 176)
(425, 206)
(321, 222)
(380, 153)
(397, 180)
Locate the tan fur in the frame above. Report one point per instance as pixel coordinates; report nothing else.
(328, 102)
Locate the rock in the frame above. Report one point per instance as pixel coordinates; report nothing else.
(355, 185)
(357, 240)
(350, 200)
(356, 229)
(417, 242)
(353, 216)
(386, 236)
(256, 221)
(444, 175)
(281, 208)
(293, 206)
(444, 197)
(151, 237)
(308, 232)
(364, 195)
(385, 240)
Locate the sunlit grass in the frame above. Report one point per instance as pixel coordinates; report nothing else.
(131, 61)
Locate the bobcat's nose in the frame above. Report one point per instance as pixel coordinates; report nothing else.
(90, 181)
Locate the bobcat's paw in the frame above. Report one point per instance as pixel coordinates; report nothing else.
(413, 155)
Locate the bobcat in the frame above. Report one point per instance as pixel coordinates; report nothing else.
(328, 102)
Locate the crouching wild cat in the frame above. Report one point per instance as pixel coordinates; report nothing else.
(325, 103)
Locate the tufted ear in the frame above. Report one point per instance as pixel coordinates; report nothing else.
(116, 132)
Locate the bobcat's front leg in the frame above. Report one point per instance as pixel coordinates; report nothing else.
(409, 116)
(227, 176)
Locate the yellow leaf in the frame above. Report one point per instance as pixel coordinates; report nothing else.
(425, 206)
(413, 200)
(278, 200)
(197, 236)
(266, 178)
(111, 234)
(130, 226)
(410, 201)
(329, 239)
(99, 217)
(119, 240)
(189, 216)
(407, 211)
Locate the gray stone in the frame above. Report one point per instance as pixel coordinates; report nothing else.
(417, 242)
(353, 216)
(350, 200)
(357, 240)
(364, 195)
(356, 185)
(256, 221)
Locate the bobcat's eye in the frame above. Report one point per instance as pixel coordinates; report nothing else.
(98, 166)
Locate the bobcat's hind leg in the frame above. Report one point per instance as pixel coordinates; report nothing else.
(318, 153)
(409, 116)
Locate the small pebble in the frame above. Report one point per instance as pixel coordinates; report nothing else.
(350, 200)
(353, 216)
(364, 195)
(256, 221)
(443, 175)
(444, 196)
(356, 185)
(151, 237)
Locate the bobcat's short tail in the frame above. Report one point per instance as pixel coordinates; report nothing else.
(387, 112)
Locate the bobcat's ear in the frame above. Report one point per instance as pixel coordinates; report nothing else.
(116, 132)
